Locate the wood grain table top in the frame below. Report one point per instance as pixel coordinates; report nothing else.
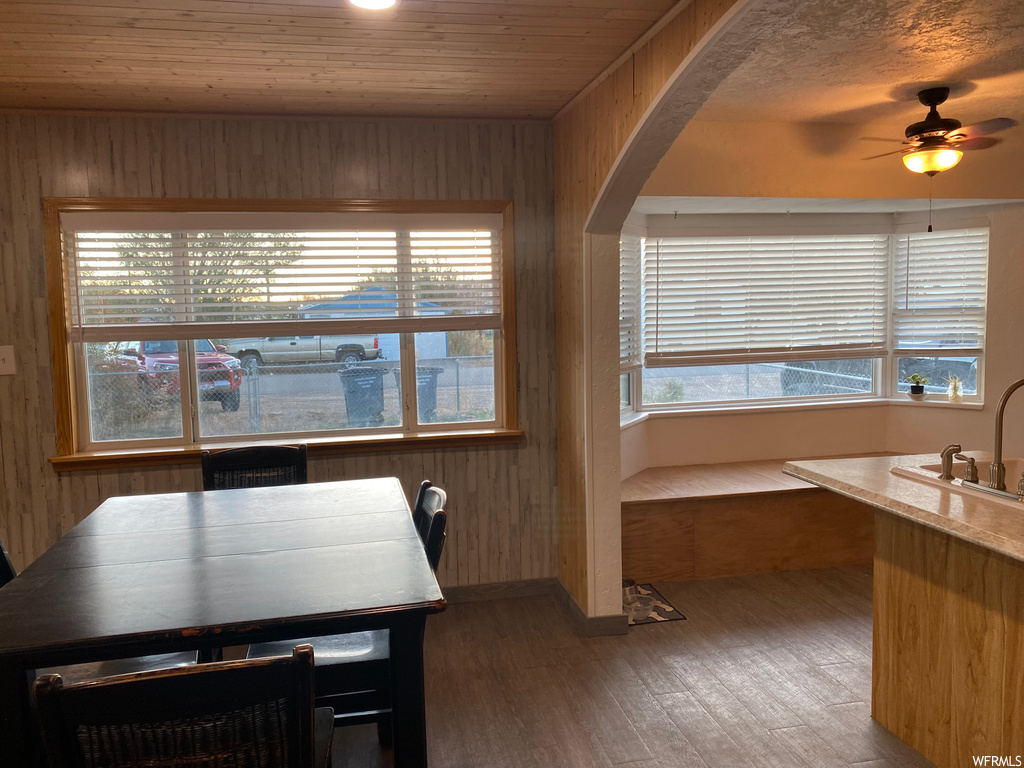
(160, 569)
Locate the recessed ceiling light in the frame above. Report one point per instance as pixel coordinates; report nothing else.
(373, 5)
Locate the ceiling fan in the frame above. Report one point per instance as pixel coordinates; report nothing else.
(937, 143)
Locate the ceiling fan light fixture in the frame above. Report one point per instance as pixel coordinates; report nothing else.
(931, 160)
(373, 5)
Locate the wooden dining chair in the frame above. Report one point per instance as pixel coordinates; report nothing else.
(353, 672)
(81, 672)
(429, 502)
(243, 714)
(254, 467)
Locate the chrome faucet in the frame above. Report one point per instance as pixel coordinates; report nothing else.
(947, 461)
(997, 472)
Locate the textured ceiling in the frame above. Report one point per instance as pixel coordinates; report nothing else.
(812, 113)
(863, 61)
(458, 58)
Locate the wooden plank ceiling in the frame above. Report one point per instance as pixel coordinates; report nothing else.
(483, 58)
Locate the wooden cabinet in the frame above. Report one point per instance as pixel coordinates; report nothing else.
(948, 659)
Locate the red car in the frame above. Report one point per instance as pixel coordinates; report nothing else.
(220, 374)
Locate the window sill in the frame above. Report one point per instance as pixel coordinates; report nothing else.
(939, 402)
(391, 441)
(722, 410)
(632, 418)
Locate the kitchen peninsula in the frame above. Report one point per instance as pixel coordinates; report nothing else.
(948, 651)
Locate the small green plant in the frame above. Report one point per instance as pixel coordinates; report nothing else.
(917, 380)
(956, 387)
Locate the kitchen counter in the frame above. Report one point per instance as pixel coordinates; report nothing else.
(948, 627)
(978, 520)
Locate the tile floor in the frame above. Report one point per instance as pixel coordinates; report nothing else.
(769, 671)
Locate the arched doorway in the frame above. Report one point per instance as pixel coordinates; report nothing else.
(699, 48)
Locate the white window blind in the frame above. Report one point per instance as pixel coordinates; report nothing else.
(630, 306)
(131, 284)
(760, 298)
(939, 289)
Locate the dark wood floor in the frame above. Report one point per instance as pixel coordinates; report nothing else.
(771, 670)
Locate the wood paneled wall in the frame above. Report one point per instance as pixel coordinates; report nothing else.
(588, 139)
(503, 499)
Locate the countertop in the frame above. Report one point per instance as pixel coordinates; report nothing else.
(989, 524)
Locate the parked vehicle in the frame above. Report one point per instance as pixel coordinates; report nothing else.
(220, 375)
(270, 350)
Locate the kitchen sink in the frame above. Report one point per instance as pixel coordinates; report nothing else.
(929, 475)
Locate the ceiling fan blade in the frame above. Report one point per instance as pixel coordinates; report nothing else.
(880, 138)
(981, 142)
(885, 154)
(985, 127)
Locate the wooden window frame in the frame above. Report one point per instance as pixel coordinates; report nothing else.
(63, 360)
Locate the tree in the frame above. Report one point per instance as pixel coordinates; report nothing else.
(161, 276)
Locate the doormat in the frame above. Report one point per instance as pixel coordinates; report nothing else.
(661, 610)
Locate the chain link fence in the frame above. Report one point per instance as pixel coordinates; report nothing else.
(464, 389)
(755, 381)
(123, 406)
(798, 379)
(308, 397)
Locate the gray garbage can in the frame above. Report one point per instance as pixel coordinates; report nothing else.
(364, 395)
(426, 392)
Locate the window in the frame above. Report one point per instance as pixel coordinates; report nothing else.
(630, 302)
(938, 299)
(196, 326)
(752, 318)
(631, 249)
(625, 395)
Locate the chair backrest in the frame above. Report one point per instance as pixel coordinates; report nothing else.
(430, 519)
(417, 508)
(434, 545)
(257, 712)
(6, 566)
(254, 467)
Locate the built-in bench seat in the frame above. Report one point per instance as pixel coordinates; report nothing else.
(713, 520)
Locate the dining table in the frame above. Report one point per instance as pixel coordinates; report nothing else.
(158, 573)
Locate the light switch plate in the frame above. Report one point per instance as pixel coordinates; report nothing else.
(6, 360)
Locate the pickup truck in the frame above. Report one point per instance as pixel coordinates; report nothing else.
(286, 350)
(157, 365)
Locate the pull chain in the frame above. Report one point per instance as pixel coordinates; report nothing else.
(930, 182)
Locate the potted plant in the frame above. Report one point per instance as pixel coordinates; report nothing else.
(955, 391)
(917, 382)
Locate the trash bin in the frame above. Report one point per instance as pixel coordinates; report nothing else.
(364, 395)
(426, 392)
